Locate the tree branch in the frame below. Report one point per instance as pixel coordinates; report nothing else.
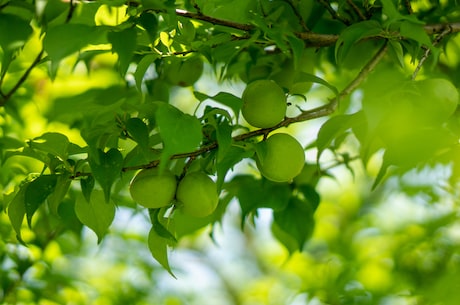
(307, 115)
(312, 39)
(7, 96)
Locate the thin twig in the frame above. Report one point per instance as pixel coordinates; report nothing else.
(333, 12)
(356, 10)
(427, 53)
(408, 5)
(23, 78)
(299, 17)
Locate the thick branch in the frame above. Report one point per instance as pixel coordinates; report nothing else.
(312, 39)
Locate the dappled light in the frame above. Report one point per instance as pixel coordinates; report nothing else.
(229, 152)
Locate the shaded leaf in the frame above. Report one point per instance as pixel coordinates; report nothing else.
(180, 132)
(54, 143)
(62, 186)
(297, 222)
(17, 210)
(106, 168)
(124, 44)
(36, 193)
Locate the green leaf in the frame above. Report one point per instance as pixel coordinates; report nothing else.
(142, 67)
(297, 222)
(255, 193)
(17, 210)
(158, 226)
(186, 224)
(150, 23)
(227, 99)
(97, 214)
(62, 186)
(397, 52)
(159, 248)
(416, 32)
(106, 168)
(124, 44)
(180, 132)
(231, 157)
(87, 186)
(354, 34)
(36, 193)
(138, 131)
(54, 143)
(335, 127)
(14, 32)
(65, 39)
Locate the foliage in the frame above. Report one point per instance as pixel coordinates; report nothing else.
(91, 92)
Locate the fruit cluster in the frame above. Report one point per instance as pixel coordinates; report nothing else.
(280, 157)
(195, 194)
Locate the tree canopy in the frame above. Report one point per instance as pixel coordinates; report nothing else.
(176, 110)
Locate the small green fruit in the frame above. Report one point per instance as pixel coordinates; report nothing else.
(281, 159)
(197, 193)
(183, 72)
(438, 97)
(264, 103)
(152, 190)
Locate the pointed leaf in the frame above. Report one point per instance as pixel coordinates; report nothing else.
(97, 214)
(87, 186)
(297, 221)
(62, 186)
(159, 248)
(36, 193)
(180, 132)
(17, 210)
(54, 143)
(107, 168)
(124, 44)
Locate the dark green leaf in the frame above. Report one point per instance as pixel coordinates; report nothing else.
(87, 186)
(138, 131)
(124, 44)
(354, 34)
(17, 210)
(106, 168)
(297, 221)
(36, 193)
(62, 186)
(180, 132)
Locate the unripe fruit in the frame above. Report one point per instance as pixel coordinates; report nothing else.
(197, 193)
(183, 72)
(264, 103)
(153, 190)
(281, 159)
(438, 97)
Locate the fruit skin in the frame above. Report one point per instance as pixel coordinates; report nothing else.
(264, 103)
(152, 190)
(183, 72)
(438, 98)
(281, 159)
(197, 194)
